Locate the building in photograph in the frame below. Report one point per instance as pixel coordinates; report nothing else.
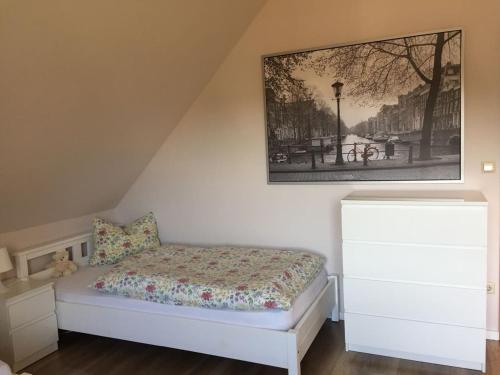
(406, 118)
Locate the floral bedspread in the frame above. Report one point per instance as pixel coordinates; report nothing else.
(218, 277)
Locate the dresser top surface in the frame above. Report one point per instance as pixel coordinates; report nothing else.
(452, 197)
(18, 289)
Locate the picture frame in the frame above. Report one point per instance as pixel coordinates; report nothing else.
(383, 89)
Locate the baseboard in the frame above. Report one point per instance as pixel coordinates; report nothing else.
(493, 335)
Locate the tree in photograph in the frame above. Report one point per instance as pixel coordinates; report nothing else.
(286, 93)
(278, 73)
(380, 69)
(291, 104)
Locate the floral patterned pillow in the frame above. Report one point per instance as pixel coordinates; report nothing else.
(112, 243)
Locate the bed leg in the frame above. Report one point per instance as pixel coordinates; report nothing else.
(293, 354)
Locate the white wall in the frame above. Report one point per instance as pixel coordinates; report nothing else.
(207, 183)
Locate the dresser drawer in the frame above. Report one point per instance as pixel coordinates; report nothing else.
(433, 341)
(34, 337)
(428, 303)
(437, 225)
(444, 265)
(31, 308)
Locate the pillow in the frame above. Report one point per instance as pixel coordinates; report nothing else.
(112, 242)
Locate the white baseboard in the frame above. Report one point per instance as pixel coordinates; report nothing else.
(493, 335)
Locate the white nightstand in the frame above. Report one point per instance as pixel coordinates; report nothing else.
(28, 325)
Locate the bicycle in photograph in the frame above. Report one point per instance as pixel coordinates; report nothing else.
(359, 152)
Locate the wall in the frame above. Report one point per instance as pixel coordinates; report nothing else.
(207, 183)
(90, 89)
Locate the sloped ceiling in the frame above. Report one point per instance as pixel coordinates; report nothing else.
(90, 89)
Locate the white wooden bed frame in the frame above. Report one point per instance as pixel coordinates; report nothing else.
(283, 349)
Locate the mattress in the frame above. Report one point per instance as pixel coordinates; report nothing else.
(74, 289)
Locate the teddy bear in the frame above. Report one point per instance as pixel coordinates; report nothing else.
(62, 265)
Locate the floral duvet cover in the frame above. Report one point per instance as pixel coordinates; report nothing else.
(218, 277)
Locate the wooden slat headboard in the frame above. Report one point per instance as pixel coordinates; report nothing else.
(79, 246)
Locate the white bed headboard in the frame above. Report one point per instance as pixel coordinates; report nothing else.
(80, 248)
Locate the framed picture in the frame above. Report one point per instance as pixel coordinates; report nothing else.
(388, 110)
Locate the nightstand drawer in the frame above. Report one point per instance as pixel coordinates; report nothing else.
(35, 337)
(29, 309)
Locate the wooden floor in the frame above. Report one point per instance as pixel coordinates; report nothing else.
(86, 354)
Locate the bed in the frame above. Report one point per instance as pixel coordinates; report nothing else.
(278, 338)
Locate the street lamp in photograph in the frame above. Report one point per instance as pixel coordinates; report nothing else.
(337, 90)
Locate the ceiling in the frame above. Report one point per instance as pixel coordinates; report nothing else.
(90, 89)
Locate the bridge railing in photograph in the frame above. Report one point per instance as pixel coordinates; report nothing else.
(360, 152)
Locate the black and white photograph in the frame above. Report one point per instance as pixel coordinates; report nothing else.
(386, 110)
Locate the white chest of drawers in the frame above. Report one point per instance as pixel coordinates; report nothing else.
(28, 325)
(414, 276)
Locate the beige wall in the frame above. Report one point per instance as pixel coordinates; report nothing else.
(90, 89)
(207, 183)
